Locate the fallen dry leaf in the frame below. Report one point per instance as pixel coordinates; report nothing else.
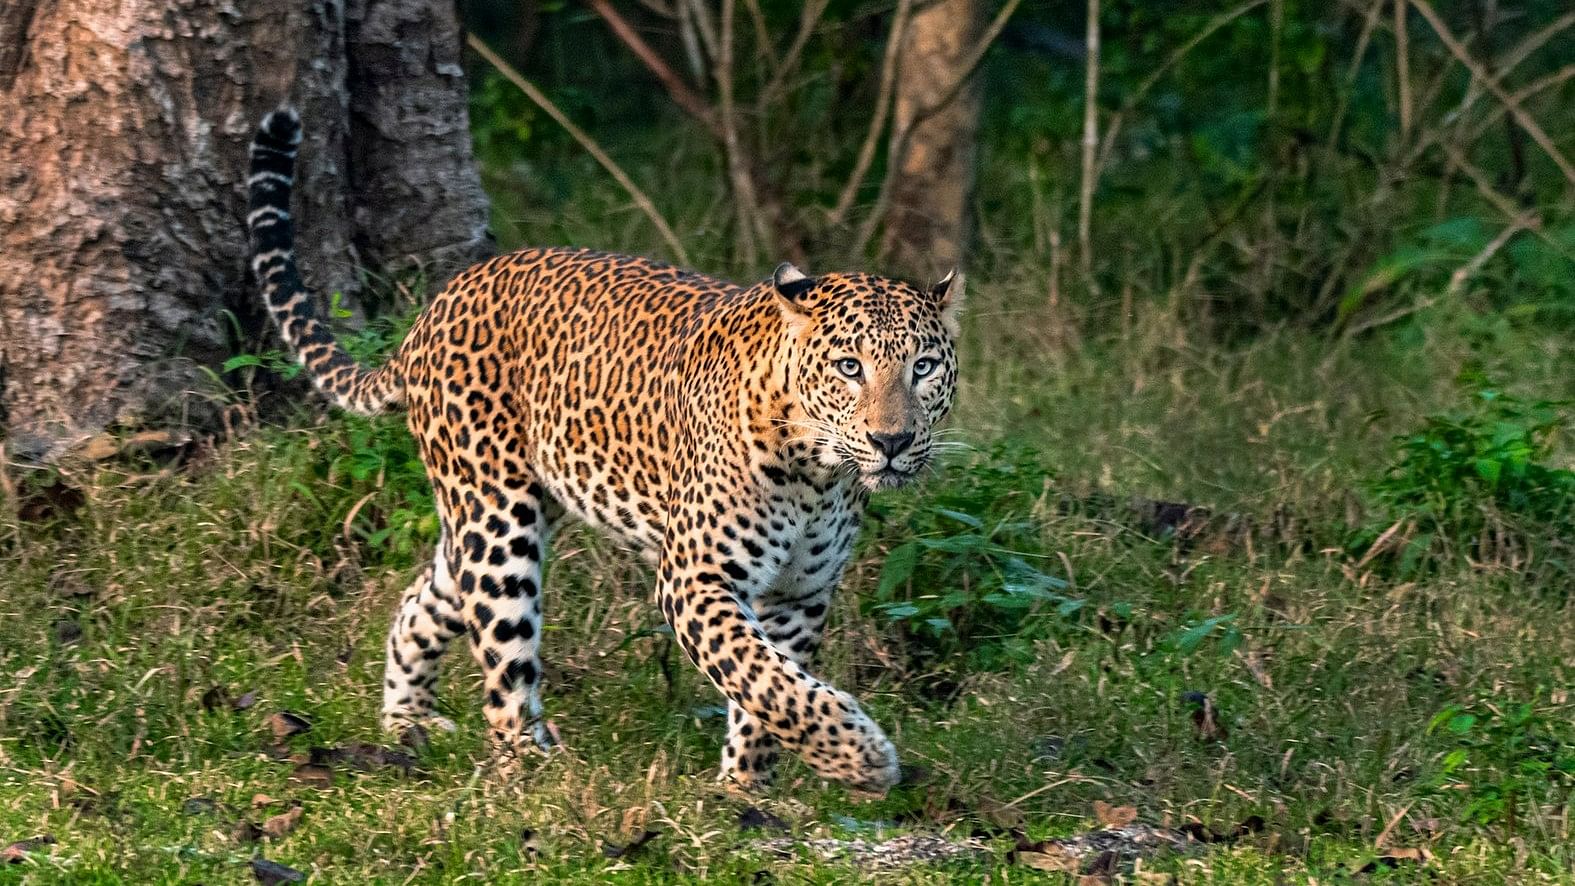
(283, 823)
(313, 775)
(1101, 867)
(1206, 717)
(272, 873)
(613, 850)
(261, 800)
(245, 701)
(1393, 858)
(363, 756)
(18, 851)
(198, 806)
(287, 723)
(754, 818)
(216, 697)
(1114, 816)
(1048, 857)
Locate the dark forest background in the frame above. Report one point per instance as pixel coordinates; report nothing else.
(1260, 534)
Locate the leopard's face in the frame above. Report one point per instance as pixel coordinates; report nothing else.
(875, 371)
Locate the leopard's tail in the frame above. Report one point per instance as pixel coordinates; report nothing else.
(349, 385)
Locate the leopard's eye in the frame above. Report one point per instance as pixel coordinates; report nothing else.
(924, 366)
(850, 367)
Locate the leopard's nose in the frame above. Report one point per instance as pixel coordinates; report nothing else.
(891, 444)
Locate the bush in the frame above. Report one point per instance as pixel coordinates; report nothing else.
(1470, 475)
(968, 571)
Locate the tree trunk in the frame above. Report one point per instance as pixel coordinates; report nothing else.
(123, 136)
(928, 224)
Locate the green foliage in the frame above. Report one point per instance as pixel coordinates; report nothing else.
(1534, 272)
(970, 574)
(1468, 471)
(502, 120)
(1503, 757)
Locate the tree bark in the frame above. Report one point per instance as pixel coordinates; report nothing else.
(123, 136)
(928, 223)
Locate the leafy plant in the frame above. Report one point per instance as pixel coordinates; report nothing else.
(970, 575)
(1503, 757)
(1465, 470)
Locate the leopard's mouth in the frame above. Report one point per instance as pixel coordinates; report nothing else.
(888, 477)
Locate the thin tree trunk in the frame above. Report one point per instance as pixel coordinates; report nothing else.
(928, 225)
(123, 134)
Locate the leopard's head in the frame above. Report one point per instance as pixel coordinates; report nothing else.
(873, 367)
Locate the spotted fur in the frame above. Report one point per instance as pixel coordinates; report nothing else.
(730, 434)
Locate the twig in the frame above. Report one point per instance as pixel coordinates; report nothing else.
(807, 21)
(703, 26)
(1403, 69)
(691, 41)
(585, 141)
(903, 130)
(1457, 280)
(1526, 121)
(763, 46)
(1369, 21)
(888, 78)
(677, 89)
(752, 229)
(1522, 52)
(1085, 192)
(1276, 29)
(1108, 141)
(1520, 96)
(971, 62)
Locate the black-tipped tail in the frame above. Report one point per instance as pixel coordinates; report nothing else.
(294, 311)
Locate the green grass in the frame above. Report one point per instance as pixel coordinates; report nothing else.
(237, 572)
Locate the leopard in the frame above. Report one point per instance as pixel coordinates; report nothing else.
(731, 435)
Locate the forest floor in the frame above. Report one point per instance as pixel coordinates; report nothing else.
(1264, 700)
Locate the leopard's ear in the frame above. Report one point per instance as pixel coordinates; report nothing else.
(949, 294)
(790, 285)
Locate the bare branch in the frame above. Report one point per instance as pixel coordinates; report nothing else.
(677, 89)
(1085, 191)
(585, 141)
(1521, 96)
(703, 25)
(903, 129)
(1403, 68)
(751, 226)
(691, 42)
(807, 21)
(1369, 21)
(1525, 120)
(1113, 128)
(763, 45)
(883, 98)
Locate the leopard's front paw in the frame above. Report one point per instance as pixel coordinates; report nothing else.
(398, 722)
(847, 746)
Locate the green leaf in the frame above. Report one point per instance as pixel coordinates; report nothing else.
(1460, 724)
(901, 610)
(965, 519)
(1489, 470)
(240, 360)
(1193, 637)
(967, 543)
(899, 567)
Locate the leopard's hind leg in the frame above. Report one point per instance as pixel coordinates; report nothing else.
(427, 619)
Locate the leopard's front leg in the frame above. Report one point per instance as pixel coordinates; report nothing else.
(704, 563)
(792, 613)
